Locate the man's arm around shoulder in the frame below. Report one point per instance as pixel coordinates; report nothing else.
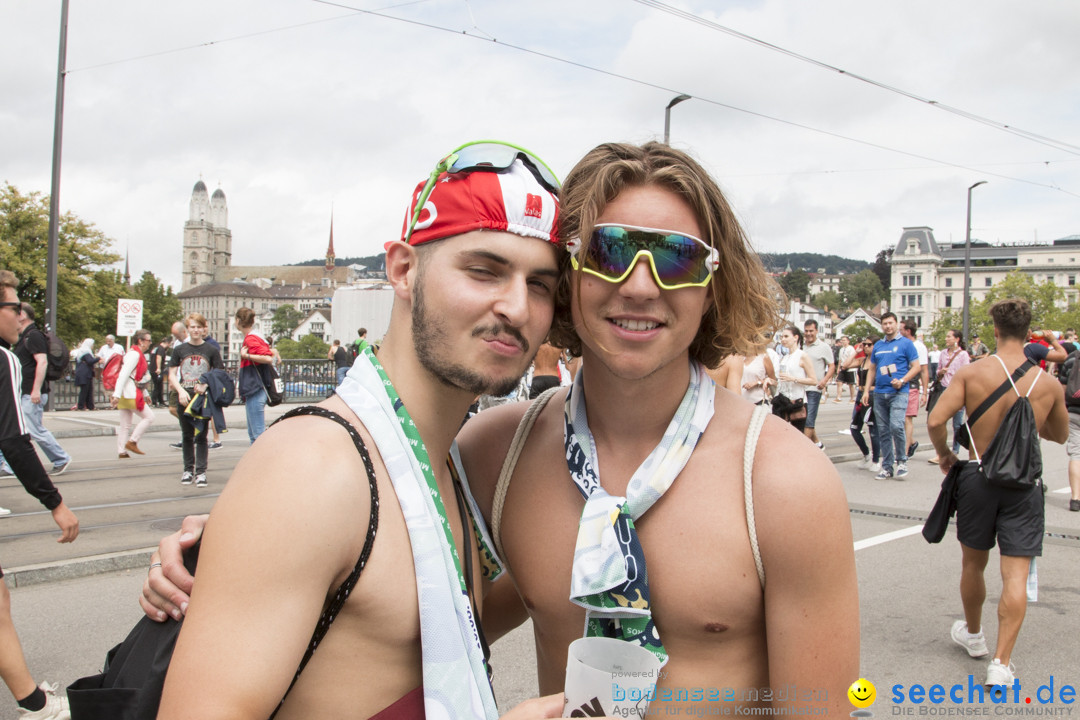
(811, 592)
(278, 541)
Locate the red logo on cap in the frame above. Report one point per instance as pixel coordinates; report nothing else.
(534, 206)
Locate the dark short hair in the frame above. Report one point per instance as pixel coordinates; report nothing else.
(910, 326)
(810, 322)
(889, 314)
(362, 332)
(1012, 318)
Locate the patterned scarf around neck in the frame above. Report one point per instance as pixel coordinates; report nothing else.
(609, 577)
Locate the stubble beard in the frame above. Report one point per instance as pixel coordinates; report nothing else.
(429, 335)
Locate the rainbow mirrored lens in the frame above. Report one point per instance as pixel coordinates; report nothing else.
(677, 260)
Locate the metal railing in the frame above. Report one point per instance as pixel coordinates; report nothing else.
(305, 381)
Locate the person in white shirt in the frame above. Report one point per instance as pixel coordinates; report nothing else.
(109, 349)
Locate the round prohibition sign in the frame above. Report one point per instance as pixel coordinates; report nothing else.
(132, 307)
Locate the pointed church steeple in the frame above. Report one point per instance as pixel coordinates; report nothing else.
(330, 248)
(127, 267)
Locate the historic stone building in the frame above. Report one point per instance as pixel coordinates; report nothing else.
(928, 276)
(215, 288)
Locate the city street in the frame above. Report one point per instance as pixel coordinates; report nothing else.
(71, 603)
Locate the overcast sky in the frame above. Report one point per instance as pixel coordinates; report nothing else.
(292, 107)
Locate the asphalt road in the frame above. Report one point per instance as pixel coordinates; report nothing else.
(908, 589)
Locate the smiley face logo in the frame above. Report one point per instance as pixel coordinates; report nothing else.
(862, 693)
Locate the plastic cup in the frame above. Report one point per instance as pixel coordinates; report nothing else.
(605, 676)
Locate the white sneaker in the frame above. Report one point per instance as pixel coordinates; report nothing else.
(901, 470)
(4, 511)
(56, 706)
(866, 463)
(974, 644)
(874, 467)
(998, 674)
(200, 480)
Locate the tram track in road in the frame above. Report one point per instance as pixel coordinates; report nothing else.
(82, 509)
(1053, 534)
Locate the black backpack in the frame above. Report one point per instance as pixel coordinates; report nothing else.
(271, 381)
(1013, 459)
(1070, 376)
(59, 357)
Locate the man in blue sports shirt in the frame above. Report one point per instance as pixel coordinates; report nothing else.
(893, 362)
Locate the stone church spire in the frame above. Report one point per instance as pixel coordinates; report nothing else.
(330, 248)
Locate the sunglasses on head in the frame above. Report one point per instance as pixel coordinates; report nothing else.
(483, 156)
(677, 260)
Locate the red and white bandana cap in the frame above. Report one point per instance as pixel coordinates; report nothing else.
(512, 200)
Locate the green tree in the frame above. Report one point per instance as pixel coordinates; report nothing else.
(83, 251)
(1045, 299)
(883, 269)
(863, 289)
(860, 330)
(796, 284)
(945, 321)
(308, 347)
(829, 299)
(161, 307)
(286, 319)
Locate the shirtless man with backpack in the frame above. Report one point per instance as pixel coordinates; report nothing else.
(1015, 516)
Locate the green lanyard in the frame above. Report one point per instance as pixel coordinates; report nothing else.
(421, 454)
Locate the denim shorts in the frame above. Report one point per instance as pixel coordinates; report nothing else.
(813, 399)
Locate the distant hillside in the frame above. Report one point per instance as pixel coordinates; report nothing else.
(774, 262)
(813, 262)
(371, 262)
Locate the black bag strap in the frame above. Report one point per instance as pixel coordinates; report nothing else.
(334, 607)
(1002, 389)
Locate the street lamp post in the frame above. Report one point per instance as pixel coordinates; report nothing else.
(967, 265)
(667, 115)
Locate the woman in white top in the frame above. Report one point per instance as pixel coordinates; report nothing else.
(757, 376)
(128, 396)
(796, 374)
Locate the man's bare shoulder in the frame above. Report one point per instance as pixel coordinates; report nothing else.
(303, 470)
(796, 487)
(484, 442)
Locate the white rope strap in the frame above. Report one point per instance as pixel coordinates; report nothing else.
(753, 431)
(512, 455)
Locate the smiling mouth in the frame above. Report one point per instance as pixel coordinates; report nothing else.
(636, 325)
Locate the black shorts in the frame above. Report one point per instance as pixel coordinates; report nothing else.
(1016, 517)
(540, 383)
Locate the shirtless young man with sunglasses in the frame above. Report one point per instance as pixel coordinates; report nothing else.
(765, 613)
(473, 277)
